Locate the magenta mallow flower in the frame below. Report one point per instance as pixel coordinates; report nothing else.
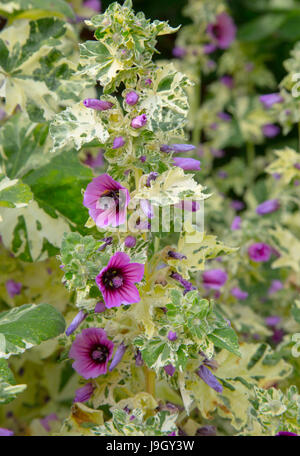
(91, 352)
(270, 130)
(132, 98)
(84, 393)
(172, 335)
(117, 356)
(239, 294)
(208, 377)
(170, 370)
(106, 200)
(276, 285)
(188, 164)
(118, 142)
(139, 121)
(93, 4)
(214, 279)
(269, 99)
(267, 207)
(116, 281)
(13, 288)
(94, 162)
(260, 252)
(76, 322)
(236, 223)
(45, 422)
(98, 105)
(6, 432)
(223, 31)
(130, 241)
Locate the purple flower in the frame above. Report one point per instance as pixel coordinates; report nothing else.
(237, 205)
(188, 164)
(260, 252)
(170, 370)
(93, 4)
(297, 166)
(224, 116)
(276, 176)
(84, 393)
(223, 31)
(178, 52)
(116, 281)
(118, 142)
(152, 177)
(239, 294)
(138, 359)
(100, 307)
(91, 352)
(106, 200)
(106, 241)
(46, 420)
(117, 357)
(177, 148)
(13, 288)
(176, 255)
(209, 378)
(222, 174)
(76, 322)
(94, 162)
(269, 99)
(143, 158)
(172, 335)
(188, 286)
(227, 81)
(6, 432)
(273, 320)
(286, 433)
(148, 82)
(130, 241)
(214, 279)
(209, 48)
(270, 130)
(99, 105)
(139, 121)
(267, 207)
(277, 335)
(276, 285)
(236, 224)
(207, 430)
(132, 98)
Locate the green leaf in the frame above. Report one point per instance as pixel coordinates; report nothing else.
(225, 338)
(24, 327)
(8, 388)
(261, 28)
(57, 7)
(13, 193)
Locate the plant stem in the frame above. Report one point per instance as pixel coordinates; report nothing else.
(250, 154)
(196, 103)
(150, 381)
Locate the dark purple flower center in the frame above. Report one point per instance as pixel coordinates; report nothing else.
(99, 354)
(217, 31)
(113, 278)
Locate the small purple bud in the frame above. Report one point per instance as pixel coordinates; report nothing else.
(239, 294)
(148, 82)
(218, 153)
(297, 166)
(6, 432)
(237, 205)
(84, 393)
(13, 288)
(236, 224)
(276, 285)
(143, 158)
(170, 370)
(224, 116)
(139, 121)
(138, 359)
(118, 142)
(176, 255)
(165, 148)
(182, 147)
(267, 207)
(99, 105)
(178, 52)
(172, 335)
(270, 130)
(106, 241)
(270, 99)
(100, 307)
(130, 241)
(93, 4)
(207, 431)
(76, 322)
(132, 98)
(152, 176)
(209, 48)
(117, 357)
(227, 81)
(187, 164)
(222, 174)
(46, 420)
(209, 378)
(273, 320)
